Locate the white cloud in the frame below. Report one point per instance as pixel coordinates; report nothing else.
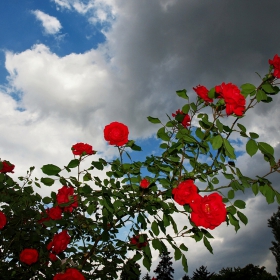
(50, 24)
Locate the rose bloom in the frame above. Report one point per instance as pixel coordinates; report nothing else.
(66, 195)
(185, 192)
(53, 257)
(116, 133)
(55, 213)
(7, 167)
(59, 242)
(70, 274)
(81, 149)
(3, 220)
(276, 64)
(135, 241)
(235, 101)
(29, 256)
(186, 120)
(208, 211)
(144, 183)
(202, 92)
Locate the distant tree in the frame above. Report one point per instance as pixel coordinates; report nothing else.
(202, 274)
(274, 223)
(131, 270)
(186, 277)
(164, 269)
(249, 272)
(146, 277)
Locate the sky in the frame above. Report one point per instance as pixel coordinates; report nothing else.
(69, 67)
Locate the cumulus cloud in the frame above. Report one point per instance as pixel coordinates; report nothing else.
(50, 24)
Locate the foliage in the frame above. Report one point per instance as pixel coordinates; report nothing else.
(164, 269)
(274, 223)
(202, 274)
(146, 277)
(131, 270)
(91, 225)
(249, 272)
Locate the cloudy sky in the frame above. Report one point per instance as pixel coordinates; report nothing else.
(69, 67)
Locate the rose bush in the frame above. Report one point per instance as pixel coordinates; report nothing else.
(78, 231)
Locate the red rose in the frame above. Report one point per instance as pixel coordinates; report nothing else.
(208, 211)
(82, 149)
(55, 213)
(186, 121)
(144, 183)
(70, 274)
(235, 101)
(185, 192)
(276, 65)
(52, 257)
(29, 256)
(3, 220)
(7, 167)
(59, 242)
(116, 133)
(66, 195)
(202, 92)
(135, 241)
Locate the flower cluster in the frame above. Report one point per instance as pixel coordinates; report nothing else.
(208, 211)
(135, 241)
(66, 199)
(230, 93)
(185, 118)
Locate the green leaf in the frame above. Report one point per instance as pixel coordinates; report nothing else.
(185, 263)
(231, 194)
(47, 200)
(242, 218)
(251, 147)
(50, 169)
(186, 109)
(153, 120)
(255, 188)
(229, 149)
(154, 228)
(242, 127)
(135, 147)
(157, 244)
(147, 262)
(268, 88)
(217, 142)
(183, 247)
(177, 254)
(234, 221)
(199, 133)
(265, 148)
(207, 245)
(73, 163)
(247, 89)
(220, 126)
(162, 134)
(211, 93)
(47, 181)
(91, 208)
(239, 204)
(182, 93)
(261, 95)
(253, 135)
(97, 164)
(137, 257)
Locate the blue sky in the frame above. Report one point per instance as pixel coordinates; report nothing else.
(73, 66)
